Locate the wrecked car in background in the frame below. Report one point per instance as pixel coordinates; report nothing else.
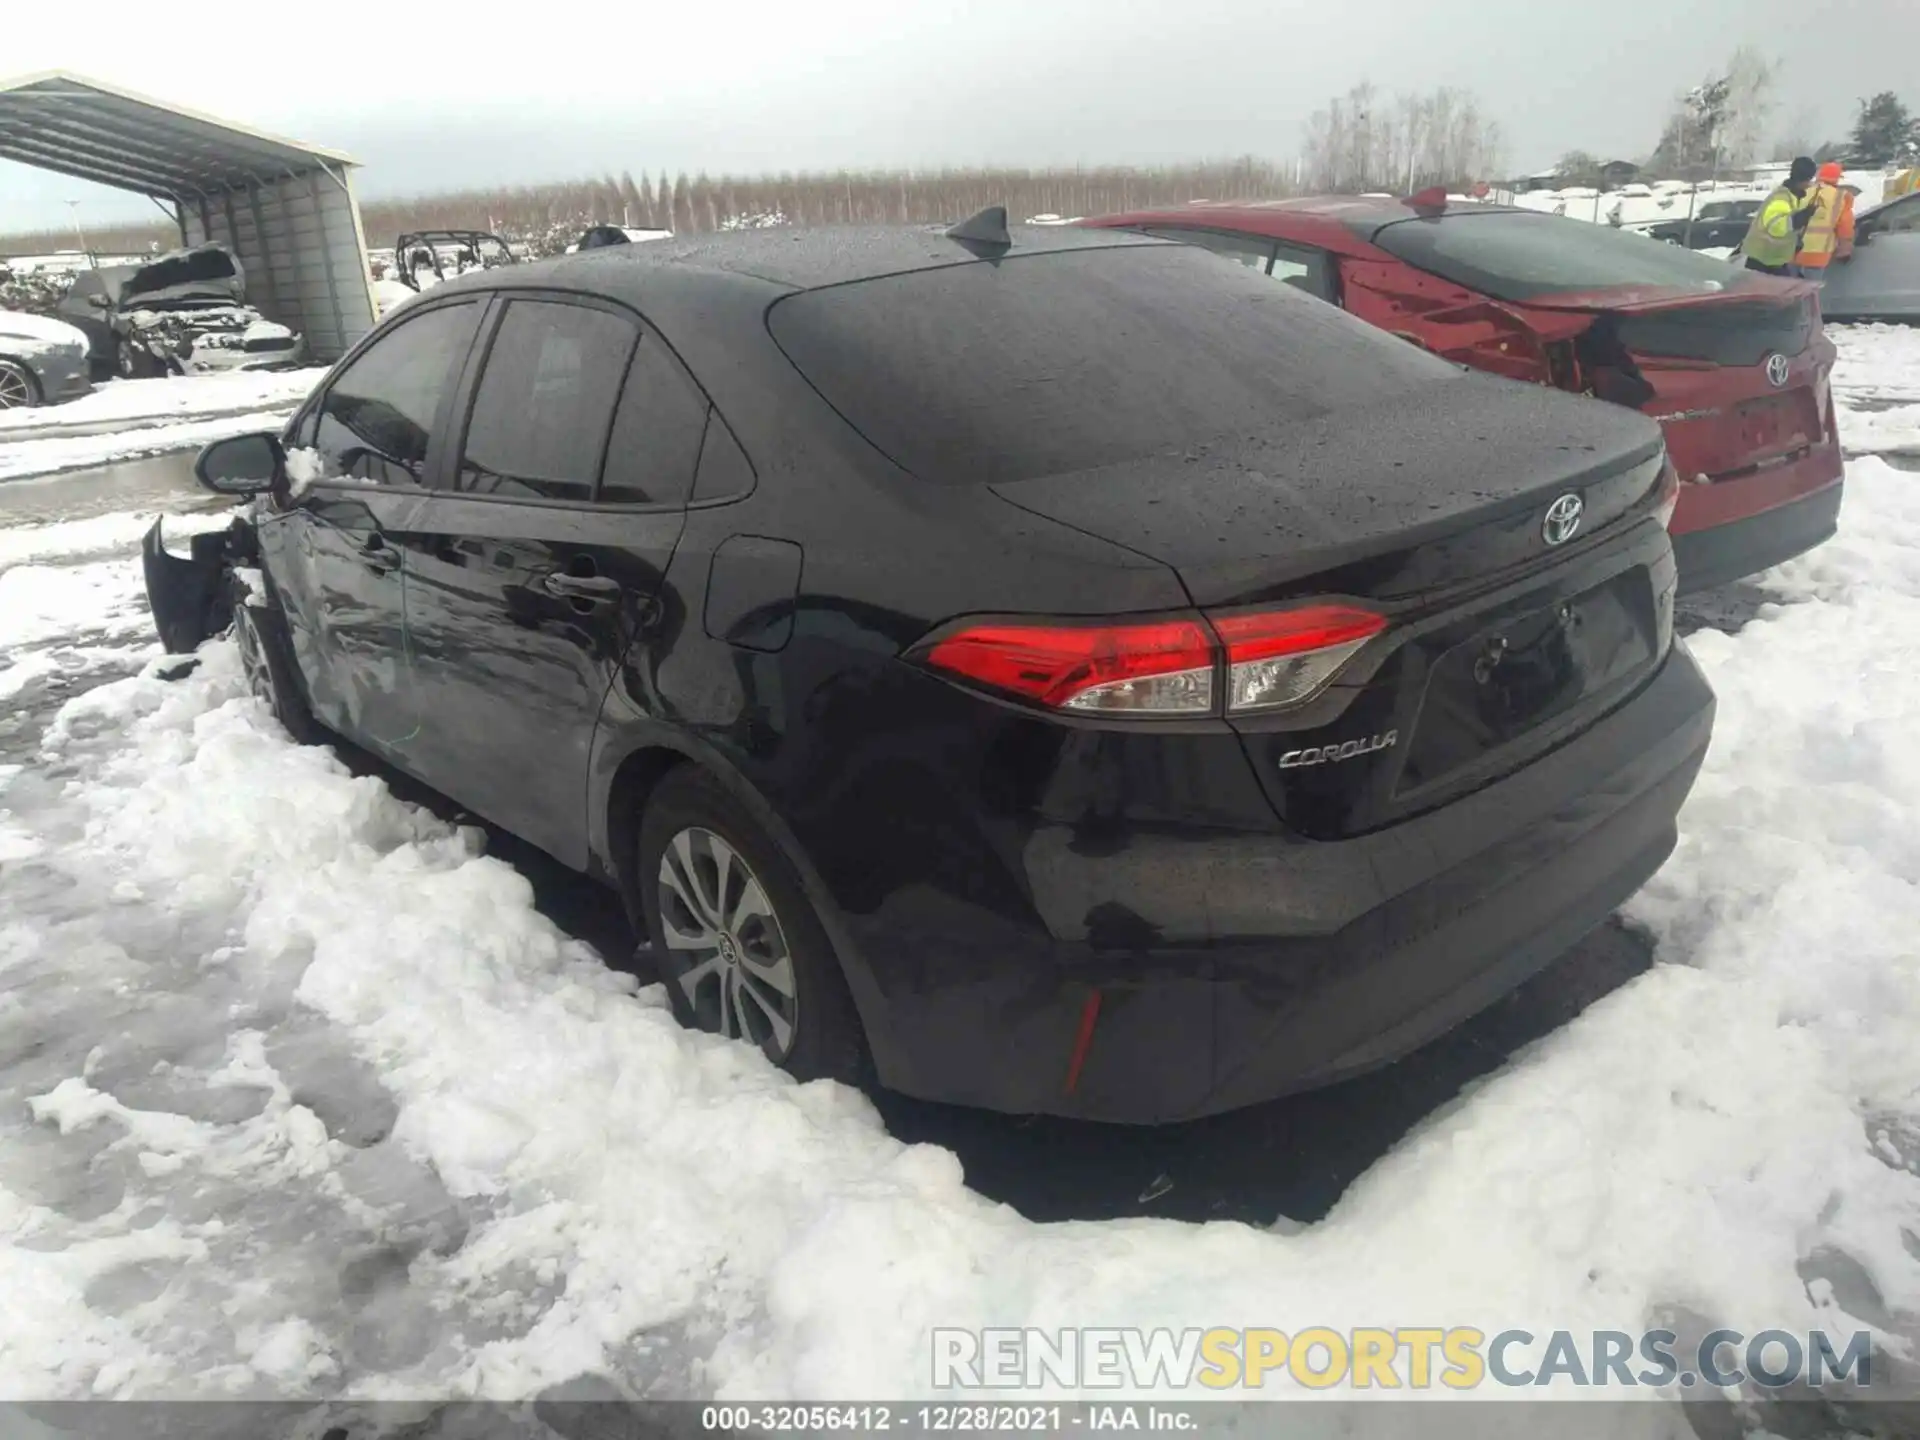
(426, 257)
(1736, 367)
(182, 313)
(42, 361)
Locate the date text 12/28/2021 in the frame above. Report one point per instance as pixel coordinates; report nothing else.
(965, 1418)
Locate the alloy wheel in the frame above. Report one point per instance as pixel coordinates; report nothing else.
(253, 663)
(726, 949)
(16, 390)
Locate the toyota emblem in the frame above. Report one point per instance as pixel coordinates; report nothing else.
(1562, 519)
(1777, 371)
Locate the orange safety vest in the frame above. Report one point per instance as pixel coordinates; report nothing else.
(1818, 239)
(1843, 229)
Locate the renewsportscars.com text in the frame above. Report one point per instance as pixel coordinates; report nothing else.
(1398, 1358)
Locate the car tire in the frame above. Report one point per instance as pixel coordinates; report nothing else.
(268, 666)
(130, 362)
(19, 389)
(755, 962)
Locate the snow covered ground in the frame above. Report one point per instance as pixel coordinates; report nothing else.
(300, 1094)
(125, 418)
(128, 403)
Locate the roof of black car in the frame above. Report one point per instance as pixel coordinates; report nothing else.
(809, 258)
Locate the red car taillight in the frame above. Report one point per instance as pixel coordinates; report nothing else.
(1272, 659)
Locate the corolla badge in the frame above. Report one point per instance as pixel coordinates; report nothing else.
(1777, 370)
(1344, 750)
(1562, 519)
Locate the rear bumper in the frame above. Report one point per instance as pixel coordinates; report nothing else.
(1327, 959)
(1744, 547)
(1732, 528)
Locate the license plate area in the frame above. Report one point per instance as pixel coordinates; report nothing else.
(1771, 425)
(1509, 679)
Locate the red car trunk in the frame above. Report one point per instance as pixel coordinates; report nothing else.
(1734, 366)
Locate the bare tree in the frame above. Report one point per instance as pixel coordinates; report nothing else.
(1361, 142)
(1750, 80)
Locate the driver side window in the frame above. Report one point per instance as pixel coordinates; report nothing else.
(376, 422)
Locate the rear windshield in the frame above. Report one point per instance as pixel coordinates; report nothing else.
(1519, 256)
(1044, 364)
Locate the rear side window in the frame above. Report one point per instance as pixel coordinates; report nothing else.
(1521, 256)
(656, 432)
(1043, 364)
(545, 402)
(725, 473)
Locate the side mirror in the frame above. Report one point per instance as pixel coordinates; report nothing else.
(241, 465)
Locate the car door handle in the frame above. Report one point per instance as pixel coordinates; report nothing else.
(378, 556)
(596, 589)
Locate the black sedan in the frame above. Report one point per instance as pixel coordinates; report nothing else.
(1719, 224)
(1053, 671)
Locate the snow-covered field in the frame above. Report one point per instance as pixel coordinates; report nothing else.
(301, 1095)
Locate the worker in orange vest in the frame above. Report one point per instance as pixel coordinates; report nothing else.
(1820, 241)
(1843, 232)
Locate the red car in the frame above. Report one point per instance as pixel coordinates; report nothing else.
(1734, 365)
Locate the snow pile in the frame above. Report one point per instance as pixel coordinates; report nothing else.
(1876, 385)
(390, 293)
(172, 399)
(312, 1097)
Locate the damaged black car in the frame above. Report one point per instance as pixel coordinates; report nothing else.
(182, 313)
(962, 695)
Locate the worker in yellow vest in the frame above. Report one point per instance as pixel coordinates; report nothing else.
(1773, 239)
(1832, 219)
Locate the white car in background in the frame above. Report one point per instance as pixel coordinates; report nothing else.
(42, 361)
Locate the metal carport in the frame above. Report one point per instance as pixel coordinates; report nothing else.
(286, 210)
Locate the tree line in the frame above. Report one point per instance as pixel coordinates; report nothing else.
(549, 217)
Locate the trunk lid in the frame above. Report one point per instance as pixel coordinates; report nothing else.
(1446, 487)
(1728, 406)
(1499, 646)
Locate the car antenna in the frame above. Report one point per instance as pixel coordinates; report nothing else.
(989, 227)
(1430, 201)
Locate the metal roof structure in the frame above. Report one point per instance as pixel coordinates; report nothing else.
(286, 209)
(90, 130)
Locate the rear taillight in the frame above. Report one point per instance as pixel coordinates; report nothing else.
(1666, 493)
(1270, 659)
(1277, 658)
(1161, 668)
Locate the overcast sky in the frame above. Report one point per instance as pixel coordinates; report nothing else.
(562, 90)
